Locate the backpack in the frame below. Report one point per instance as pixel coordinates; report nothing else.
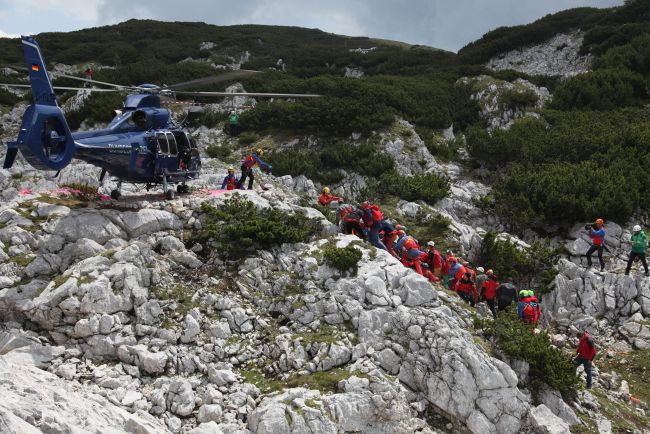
(530, 313)
(377, 216)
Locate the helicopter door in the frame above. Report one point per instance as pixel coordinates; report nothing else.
(166, 161)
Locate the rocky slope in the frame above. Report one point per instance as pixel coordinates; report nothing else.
(559, 56)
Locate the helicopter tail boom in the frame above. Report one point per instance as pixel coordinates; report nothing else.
(44, 139)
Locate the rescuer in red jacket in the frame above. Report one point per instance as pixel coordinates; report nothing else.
(585, 354)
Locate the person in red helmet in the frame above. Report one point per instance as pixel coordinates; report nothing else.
(597, 235)
(586, 352)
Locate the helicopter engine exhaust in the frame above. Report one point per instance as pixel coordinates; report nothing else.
(44, 139)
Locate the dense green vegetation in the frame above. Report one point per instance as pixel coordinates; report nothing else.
(325, 163)
(343, 259)
(530, 268)
(237, 228)
(548, 365)
(568, 166)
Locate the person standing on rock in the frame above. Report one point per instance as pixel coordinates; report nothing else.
(372, 218)
(506, 295)
(597, 235)
(480, 277)
(233, 124)
(489, 291)
(252, 160)
(639, 242)
(585, 354)
(230, 181)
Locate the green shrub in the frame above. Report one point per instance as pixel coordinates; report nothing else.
(247, 138)
(531, 267)
(518, 98)
(604, 89)
(428, 187)
(345, 259)
(325, 163)
(219, 152)
(237, 228)
(548, 365)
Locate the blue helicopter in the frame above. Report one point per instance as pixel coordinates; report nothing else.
(141, 145)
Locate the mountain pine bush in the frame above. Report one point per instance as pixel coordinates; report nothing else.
(237, 228)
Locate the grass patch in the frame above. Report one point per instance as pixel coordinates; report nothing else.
(326, 334)
(180, 294)
(624, 418)
(633, 367)
(23, 260)
(324, 381)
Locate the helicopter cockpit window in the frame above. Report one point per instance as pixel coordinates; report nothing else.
(139, 118)
(162, 143)
(173, 149)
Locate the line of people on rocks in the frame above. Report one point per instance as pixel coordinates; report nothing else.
(639, 241)
(473, 285)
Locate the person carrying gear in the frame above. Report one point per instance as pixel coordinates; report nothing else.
(506, 294)
(480, 277)
(453, 268)
(233, 124)
(434, 259)
(466, 289)
(230, 181)
(585, 354)
(390, 235)
(372, 218)
(528, 310)
(252, 160)
(410, 252)
(445, 266)
(327, 198)
(639, 242)
(470, 269)
(489, 291)
(597, 234)
(350, 220)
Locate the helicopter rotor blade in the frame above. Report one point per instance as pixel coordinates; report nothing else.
(227, 76)
(91, 81)
(251, 94)
(90, 89)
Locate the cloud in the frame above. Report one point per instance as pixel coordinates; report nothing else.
(8, 35)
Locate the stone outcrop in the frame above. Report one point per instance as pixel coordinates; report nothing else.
(559, 56)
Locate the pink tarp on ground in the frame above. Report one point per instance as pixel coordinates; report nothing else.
(214, 192)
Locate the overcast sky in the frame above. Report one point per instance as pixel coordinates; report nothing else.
(448, 24)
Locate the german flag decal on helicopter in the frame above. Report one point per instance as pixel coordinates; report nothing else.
(35, 67)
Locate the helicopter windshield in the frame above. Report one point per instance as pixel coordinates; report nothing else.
(163, 145)
(173, 149)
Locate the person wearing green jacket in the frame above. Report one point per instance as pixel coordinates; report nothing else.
(233, 120)
(639, 242)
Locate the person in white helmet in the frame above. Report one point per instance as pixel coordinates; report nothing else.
(639, 242)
